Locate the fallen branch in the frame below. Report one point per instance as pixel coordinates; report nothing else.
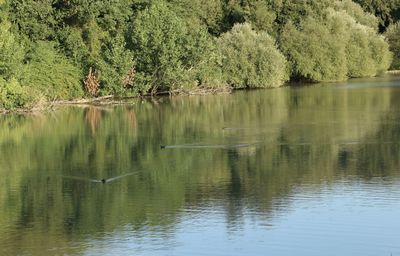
(82, 101)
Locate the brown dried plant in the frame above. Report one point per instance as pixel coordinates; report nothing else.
(92, 83)
(128, 79)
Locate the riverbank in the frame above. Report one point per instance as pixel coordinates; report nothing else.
(111, 99)
(393, 72)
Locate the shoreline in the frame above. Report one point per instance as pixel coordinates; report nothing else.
(113, 100)
(393, 72)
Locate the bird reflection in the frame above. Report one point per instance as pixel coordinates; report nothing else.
(103, 181)
(198, 146)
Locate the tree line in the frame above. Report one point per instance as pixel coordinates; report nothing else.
(68, 49)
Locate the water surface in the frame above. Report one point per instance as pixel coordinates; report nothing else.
(309, 170)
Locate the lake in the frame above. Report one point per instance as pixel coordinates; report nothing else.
(302, 170)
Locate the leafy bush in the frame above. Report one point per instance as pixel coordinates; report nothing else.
(11, 53)
(315, 52)
(200, 12)
(73, 45)
(166, 51)
(358, 14)
(262, 17)
(367, 52)
(296, 11)
(13, 95)
(335, 46)
(116, 63)
(393, 36)
(251, 59)
(381, 53)
(51, 73)
(387, 11)
(35, 19)
(360, 62)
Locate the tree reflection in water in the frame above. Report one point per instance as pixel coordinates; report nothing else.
(314, 135)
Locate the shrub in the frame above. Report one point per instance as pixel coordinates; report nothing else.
(386, 11)
(35, 19)
(393, 36)
(315, 52)
(51, 73)
(157, 37)
(11, 53)
(334, 47)
(251, 59)
(367, 52)
(358, 14)
(360, 62)
(381, 53)
(262, 17)
(195, 12)
(116, 63)
(73, 45)
(296, 11)
(13, 95)
(166, 51)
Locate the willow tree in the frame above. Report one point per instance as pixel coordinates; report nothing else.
(341, 42)
(316, 51)
(167, 52)
(393, 36)
(12, 93)
(387, 11)
(251, 59)
(11, 52)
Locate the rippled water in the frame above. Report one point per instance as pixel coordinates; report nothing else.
(311, 170)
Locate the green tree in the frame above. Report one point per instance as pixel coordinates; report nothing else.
(165, 50)
(51, 73)
(251, 59)
(341, 43)
(263, 17)
(14, 95)
(393, 36)
(203, 12)
(296, 11)
(367, 52)
(316, 51)
(114, 68)
(34, 19)
(262, 14)
(387, 11)
(11, 53)
(358, 14)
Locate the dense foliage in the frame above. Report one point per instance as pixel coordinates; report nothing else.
(339, 42)
(247, 58)
(387, 11)
(55, 48)
(393, 35)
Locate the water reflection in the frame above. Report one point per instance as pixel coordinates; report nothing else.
(103, 180)
(291, 170)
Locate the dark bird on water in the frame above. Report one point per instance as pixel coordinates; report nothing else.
(103, 181)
